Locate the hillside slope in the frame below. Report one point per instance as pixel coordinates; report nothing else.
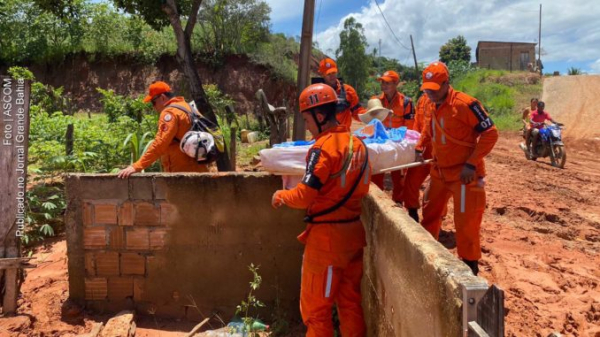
(575, 101)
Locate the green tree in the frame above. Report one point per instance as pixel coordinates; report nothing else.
(352, 58)
(233, 26)
(158, 15)
(455, 49)
(29, 33)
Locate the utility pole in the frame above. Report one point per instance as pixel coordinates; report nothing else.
(414, 57)
(304, 64)
(540, 44)
(379, 70)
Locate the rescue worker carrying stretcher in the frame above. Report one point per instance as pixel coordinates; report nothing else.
(337, 178)
(349, 104)
(173, 123)
(415, 176)
(402, 115)
(461, 134)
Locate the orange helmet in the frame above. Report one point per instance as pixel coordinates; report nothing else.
(315, 95)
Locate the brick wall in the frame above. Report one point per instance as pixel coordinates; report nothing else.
(118, 237)
(166, 243)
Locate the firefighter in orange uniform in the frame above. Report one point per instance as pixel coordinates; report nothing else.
(350, 103)
(402, 115)
(461, 134)
(415, 176)
(337, 178)
(173, 123)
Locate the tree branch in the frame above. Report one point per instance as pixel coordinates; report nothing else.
(189, 27)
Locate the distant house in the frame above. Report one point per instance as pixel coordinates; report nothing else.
(506, 55)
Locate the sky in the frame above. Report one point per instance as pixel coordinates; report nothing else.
(570, 29)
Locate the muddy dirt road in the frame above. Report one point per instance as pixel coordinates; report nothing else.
(541, 239)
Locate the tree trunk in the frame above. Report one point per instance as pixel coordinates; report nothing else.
(186, 62)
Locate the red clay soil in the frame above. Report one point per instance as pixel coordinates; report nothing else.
(541, 244)
(541, 239)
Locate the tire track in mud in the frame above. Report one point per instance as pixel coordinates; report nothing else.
(541, 240)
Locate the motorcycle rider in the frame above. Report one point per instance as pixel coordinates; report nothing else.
(527, 113)
(537, 121)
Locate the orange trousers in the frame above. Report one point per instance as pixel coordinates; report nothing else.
(397, 181)
(469, 204)
(415, 176)
(332, 278)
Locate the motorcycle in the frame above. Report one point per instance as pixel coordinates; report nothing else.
(549, 144)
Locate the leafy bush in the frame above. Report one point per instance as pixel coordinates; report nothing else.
(574, 71)
(278, 54)
(115, 106)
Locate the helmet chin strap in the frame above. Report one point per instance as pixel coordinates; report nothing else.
(319, 124)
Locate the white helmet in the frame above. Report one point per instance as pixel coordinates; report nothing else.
(197, 144)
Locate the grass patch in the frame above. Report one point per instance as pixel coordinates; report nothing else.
(503, 94)
(246, 152)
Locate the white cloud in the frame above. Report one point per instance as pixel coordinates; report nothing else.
(282, 10)
(570, 30)
(595, 67)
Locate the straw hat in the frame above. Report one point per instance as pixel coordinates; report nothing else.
(374, 110)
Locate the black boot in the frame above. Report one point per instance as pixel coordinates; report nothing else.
(474, 265)
(414, 213)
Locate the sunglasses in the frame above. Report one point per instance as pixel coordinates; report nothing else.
(153, 100)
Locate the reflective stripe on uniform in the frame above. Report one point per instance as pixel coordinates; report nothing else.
(463, 191)
(366, 175)
(329, 280)
(432, 130)
(443, 135)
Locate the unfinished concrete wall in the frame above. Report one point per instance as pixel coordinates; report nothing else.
(159, 243)
(412, 284)
(162, 243)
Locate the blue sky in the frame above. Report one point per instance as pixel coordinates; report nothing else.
(570, 30)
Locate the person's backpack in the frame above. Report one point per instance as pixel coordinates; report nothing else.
(204, 141)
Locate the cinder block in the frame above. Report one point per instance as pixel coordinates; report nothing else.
(158, 238)
(105, 213)
(137, 238)
(126, 214)
(102, 187)
(160, 188)
(133, 264)
(116, 237)
(96, 288)
(119, 288)
(146, 214)
(90, 264)
(138, 289)
(168, 214)
(107, 263)
(87, 214)
(141, 188)
(94, 238)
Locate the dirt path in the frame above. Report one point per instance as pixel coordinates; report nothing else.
(575, 101)
(541, 240)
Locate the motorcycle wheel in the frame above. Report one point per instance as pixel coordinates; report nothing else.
(558, 156)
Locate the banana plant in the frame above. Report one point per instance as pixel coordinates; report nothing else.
(138, 144)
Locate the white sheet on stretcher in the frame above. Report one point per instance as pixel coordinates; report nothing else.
(292, 160)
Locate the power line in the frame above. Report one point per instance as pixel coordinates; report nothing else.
(318, 15)
(386, 22)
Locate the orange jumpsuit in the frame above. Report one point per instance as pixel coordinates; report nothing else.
(172, 125)
(415, 176)
(464, 119)
(332, 266)
(401, 116)
(345, 117)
